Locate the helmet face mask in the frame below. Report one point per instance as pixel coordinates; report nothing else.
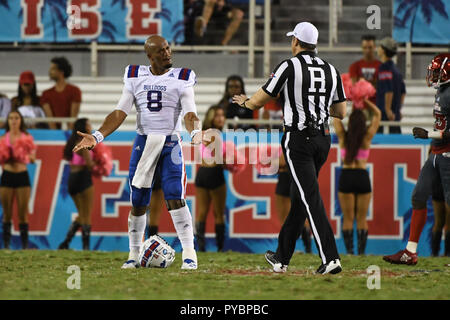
(438, 71)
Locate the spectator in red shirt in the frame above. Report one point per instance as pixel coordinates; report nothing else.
(64, 99)
(367, 67)
(273, 110)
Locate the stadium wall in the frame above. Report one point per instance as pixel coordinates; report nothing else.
(251, 220)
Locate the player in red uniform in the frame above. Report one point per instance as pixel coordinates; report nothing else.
(437, 167)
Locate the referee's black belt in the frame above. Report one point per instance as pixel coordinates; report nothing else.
(311, 130)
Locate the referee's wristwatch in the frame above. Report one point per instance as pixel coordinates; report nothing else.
(243, 103)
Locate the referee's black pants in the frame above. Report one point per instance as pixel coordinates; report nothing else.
(305, 154)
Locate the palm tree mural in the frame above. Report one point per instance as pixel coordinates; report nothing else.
(178, 32)
(121, 2)
(57, 10)
(4, 3)
(410, 8)
(164, 14)
(108, 30)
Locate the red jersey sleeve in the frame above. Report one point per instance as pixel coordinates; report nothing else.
(45, 97)
(76, 94)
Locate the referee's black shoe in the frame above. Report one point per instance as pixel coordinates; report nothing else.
(333, 267)
(278, 267)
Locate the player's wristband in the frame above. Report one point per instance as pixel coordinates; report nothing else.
(98, 136)
(194, 132)
(435, 134)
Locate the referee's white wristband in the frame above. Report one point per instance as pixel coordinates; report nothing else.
(194, 132)
(98, 136)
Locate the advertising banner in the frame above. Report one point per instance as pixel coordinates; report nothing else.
(104, 21)
(424, 22)
(252, 223)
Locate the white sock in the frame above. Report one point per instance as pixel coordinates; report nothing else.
(411, 246)
(189, 253)
(136, 228)
(182, 221)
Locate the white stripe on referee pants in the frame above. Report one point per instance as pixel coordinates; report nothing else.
(302, 195)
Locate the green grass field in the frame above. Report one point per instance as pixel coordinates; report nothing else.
(34, 274)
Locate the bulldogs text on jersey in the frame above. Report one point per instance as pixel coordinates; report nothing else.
(157, 98)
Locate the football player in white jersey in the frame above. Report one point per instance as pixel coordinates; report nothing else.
(161, 95)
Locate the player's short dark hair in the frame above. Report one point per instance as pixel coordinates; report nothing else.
(64, 65)
(389, 53)
(368, 37)
(307, 46)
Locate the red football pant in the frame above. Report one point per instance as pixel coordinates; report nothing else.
(418, 220)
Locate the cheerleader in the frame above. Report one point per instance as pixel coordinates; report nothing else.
(354, 190)
(80, 184)
(210, 182)
(17, 149)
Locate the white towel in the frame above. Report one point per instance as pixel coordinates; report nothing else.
(145, 170)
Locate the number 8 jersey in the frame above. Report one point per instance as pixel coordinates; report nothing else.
(160, 100)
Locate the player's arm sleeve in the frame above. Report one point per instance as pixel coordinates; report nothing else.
(187, 97)
(126, 101)
(127, 82)
(278, 78)
(339, 93)
(44, 98)
(191, 78)
(76, 95)
(187, 100)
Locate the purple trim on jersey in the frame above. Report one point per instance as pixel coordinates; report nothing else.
(184, 74)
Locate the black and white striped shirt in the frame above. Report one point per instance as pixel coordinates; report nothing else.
(308, 86)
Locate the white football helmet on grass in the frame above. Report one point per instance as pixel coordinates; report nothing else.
(155, 252)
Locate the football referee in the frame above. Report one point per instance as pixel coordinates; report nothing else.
(312, 92)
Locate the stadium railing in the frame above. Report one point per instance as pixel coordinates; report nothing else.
(98, 120)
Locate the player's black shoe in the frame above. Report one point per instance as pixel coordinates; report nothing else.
(333, 267)
(277, 266)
